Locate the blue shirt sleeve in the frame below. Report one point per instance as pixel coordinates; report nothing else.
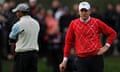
(15, 31)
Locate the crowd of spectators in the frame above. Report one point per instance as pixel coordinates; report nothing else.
(53, 24)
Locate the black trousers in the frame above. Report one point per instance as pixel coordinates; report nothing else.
(26, 62)
(91, 64)
(1, 61)
(0, 65)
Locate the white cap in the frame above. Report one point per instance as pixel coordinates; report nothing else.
(84, 5)
(32, 0)
(21, 7)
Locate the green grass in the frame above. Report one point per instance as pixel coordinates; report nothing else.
(112, 64)
(42, 66)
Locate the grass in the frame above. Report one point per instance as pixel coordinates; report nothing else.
(112, 64)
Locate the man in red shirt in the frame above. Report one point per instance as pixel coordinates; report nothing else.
(84, 35)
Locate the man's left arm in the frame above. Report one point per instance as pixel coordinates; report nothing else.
(13, 36)
(109, 32)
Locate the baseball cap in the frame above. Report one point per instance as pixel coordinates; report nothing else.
(21, 7)
(84, 5)
(32, 0)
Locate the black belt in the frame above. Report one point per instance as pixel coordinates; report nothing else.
(27, 52)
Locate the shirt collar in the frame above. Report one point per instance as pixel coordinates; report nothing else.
(26, 16)
(85, 21)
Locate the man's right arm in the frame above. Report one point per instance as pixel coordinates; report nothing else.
(69, 42)
(14, 32)
(13, 36)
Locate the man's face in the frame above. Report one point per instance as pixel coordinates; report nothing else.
(84, 13)
(18, 14)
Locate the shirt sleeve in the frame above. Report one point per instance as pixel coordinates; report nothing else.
(108, 31)
(14, 32)
(69, 40)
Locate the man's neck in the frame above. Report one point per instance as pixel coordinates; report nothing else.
(85, 20)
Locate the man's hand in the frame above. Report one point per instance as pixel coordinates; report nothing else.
(10, 57)
(103, 50)
(62, 66)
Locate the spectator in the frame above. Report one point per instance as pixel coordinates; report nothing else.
(74, 13)
(109, 16)
(33, 7)
(94, 12)
(1, 43)
(51, 23)
(64, 21)
(42, 43)
(10, 18)
(1, 9)
(54, 41)
(55, 6)
(109, 19)
(59, 13)
(117, 22)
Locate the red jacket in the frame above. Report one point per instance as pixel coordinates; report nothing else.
(85, 37)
